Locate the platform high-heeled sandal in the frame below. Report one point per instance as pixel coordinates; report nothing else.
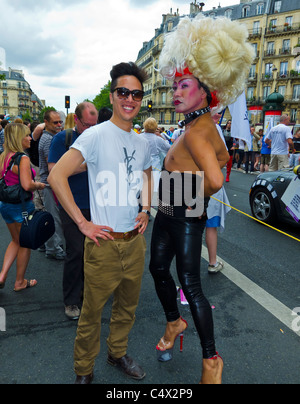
(165, 354)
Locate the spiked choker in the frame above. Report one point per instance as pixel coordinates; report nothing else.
(194, 115)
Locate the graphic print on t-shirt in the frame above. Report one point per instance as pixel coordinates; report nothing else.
(128, 159)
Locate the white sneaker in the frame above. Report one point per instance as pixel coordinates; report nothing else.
(214, 269)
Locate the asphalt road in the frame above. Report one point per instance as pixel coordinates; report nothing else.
(257, 344)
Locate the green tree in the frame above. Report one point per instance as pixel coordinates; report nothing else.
(42, 113)
(102, 100)
(27, 117)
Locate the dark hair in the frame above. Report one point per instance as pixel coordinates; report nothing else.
(4, 123)
(47, 114)
(104, 114)
(206, 89)
(127, 69)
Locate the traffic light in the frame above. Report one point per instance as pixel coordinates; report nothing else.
(149, 106)
(67, 101)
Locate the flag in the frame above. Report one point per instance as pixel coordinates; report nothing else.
(240, 125)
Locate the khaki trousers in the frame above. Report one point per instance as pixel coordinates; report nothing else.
(278, 162)
(116, 267)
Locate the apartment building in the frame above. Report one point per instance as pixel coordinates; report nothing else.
(16, 96)
(274, 32)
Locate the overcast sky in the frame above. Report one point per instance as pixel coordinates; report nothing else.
(67, 47)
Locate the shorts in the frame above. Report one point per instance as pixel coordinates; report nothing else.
(265, 159)
(213, 222)
(13, 213)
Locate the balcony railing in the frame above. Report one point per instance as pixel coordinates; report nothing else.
(285, 51)
(270, 52)
(282, 29)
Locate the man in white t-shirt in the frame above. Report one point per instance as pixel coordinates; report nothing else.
(119, 167)
(280, 138)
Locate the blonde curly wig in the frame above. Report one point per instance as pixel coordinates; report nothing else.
(215, 51)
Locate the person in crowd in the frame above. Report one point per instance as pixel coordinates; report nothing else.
(280, 139)
(189, 59)
(104, 115)
(240, 153)
(158, 147)
(257, 137)
(164, 134)
(170, 133)
(85, 116)
(178, 132)
(216, 213)
(3, 124)
(17, 139)
(117, 159)
(295, 154)
(70, 121)
(230, 147)
(265, 156)
(250, 154)
(53, 125)
(137, 129)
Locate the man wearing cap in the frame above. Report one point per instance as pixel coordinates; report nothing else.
(137, 129)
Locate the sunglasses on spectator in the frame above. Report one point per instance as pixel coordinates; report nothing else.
(123, 93)
(57, 122)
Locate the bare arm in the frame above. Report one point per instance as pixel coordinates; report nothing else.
(142, 218)
(58, 179)
(38, 131)
(28, 184)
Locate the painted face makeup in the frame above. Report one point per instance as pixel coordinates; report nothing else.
(187, 97)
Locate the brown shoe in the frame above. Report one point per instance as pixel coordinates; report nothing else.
(84, 379)
(128, 366)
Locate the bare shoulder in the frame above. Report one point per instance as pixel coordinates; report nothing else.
(203, 131)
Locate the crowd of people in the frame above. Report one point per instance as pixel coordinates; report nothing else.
(268, 152)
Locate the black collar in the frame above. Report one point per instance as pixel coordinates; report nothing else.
(194, 115)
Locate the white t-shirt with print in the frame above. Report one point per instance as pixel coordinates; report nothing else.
(116, 160)
(279, 136)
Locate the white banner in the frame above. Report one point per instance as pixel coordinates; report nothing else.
(240, 125)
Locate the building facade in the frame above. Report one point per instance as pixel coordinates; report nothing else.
(274, 32)
(16, 96)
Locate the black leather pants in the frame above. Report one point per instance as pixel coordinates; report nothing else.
(182, 238)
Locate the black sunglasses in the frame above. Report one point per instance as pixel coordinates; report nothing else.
(123, 93)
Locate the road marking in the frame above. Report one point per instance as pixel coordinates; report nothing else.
(267, 301)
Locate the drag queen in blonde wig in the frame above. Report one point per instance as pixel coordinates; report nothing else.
(215, 51)
(208, 60)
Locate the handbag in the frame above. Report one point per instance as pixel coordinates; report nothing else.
(12, 194)
(36, 229)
